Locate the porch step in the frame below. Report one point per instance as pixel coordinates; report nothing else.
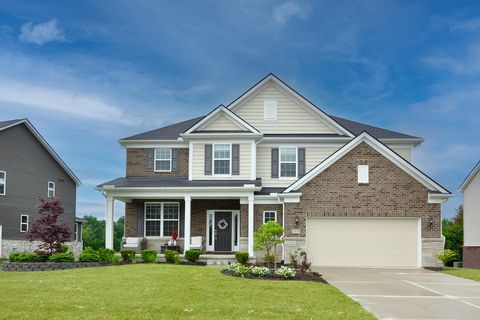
(217, 259)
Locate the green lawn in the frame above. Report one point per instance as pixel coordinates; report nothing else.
(166, 292)
(473, 274)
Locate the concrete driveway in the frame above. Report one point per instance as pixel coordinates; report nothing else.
(408, 293)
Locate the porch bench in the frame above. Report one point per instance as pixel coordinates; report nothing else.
(134, 243)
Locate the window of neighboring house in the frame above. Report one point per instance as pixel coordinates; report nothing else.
(163, 159)
(161, 218)
(51, 189)
(3, 183)
(221, 158)
(288, 162)
(270, 110)
(269, 216)
(23, 223)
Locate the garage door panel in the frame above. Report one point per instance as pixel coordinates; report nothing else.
(379, 242)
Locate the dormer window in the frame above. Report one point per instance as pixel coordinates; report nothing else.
(270, 110)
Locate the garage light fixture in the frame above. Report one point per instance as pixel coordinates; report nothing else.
(430, 221)
(297, 220)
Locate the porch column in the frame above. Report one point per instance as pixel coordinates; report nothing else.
(188, 221)
(109, 201)
(250, 225)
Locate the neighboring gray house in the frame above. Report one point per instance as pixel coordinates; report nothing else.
(30, 169)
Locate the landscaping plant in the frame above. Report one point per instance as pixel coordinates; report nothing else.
(149, 256)
(293, 255)
(192, 255)
(128, 255)
(24, 257)
(241, 257)
(286, 272)
(106, 255)
(232, 266)
(171, 256)
(89, 255)
(267, 237)
(62, 257)
(447, 257)
(260, 271)
(305, 266)
(241, 270)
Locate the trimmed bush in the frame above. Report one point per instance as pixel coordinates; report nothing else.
(447, 257)
(106, 255)
(89, 255)
(62, 257)
(192, 255)
(64, 248)
(128, 255)
(286, 272)
(241, 257)
(260, 271)
(171, 256)
(149, 256)
(24, 257)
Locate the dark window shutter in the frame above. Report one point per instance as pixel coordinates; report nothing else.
(140, 219)
(175, 159)
(235, 159)
(301, 162)
(150, 159)
(208, 159)
(274, 162)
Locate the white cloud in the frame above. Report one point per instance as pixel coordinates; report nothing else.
(288, 10)
(42, 33)
(467, 63)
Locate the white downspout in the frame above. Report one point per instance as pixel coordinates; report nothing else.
(283, 225)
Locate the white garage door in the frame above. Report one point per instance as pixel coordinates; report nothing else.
(364, 242)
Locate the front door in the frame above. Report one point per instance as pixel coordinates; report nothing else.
(223, 231)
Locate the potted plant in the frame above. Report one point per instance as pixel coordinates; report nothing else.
(174, 237)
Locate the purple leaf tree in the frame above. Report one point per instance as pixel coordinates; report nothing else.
(46, 229)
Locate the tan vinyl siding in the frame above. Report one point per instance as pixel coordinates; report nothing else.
(292, 117)
(405, 153)
(313, 156)
(220, 123)
(199, 163)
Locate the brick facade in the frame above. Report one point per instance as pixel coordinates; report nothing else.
(390, 193)
(137, 164)
(471, 257)
(257, 216)
(130, 220)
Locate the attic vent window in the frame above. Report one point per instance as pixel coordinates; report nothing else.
(270, 110)
(362, 174)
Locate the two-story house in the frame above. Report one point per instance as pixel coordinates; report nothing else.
(30, 169)
(346, 192)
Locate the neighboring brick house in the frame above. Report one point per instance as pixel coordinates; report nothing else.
(344, 191)
(30, 169)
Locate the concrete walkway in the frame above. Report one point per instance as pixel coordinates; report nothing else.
(408, 293)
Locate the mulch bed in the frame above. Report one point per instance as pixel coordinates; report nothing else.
(308, 276)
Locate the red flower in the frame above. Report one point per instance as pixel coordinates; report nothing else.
(175, 235)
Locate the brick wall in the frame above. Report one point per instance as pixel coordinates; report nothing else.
(390, 193)
(130, 220)
(199, 212)
(137, 164)
(258, 210)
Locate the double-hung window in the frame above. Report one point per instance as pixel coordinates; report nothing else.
(161, 218)
(51, 189)
(288, 162)
(269, 216)
(23, 223)
(163, 159)
(3, 183)
(222, 158)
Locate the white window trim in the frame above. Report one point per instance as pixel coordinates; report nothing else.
(4, 183)
(269, 211)
(265, 117)
(23, 223)
(211, 214)
(280, 163)
(229, 159)
(50, 189)
(155, 160)
(363, 174)
(161, 219)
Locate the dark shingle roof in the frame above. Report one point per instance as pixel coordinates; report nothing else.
(172, 132)
(8, 122)
(172, 182)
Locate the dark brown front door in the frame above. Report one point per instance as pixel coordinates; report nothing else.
(223, 231)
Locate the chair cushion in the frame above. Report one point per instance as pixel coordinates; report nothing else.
(132, 241)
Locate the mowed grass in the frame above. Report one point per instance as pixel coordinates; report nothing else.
(473, 274)
(166, 292)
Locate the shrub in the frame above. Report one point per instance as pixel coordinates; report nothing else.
(62, 257)
(305, 266)
(241, 257)
(447, 257)
(89, 255)
(24, 257)
(260, 271)
(232, 266)
(106, 255)
(241, 270)
(128, 255)
(64, 247)
(269, 258)
(171, 256)
(293, 255)
(286, 272)
(149, 256)
(192, 255)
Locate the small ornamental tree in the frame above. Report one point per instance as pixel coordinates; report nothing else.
(267, 237)
(46, 229)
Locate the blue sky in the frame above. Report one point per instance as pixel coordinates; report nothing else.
(91, 72)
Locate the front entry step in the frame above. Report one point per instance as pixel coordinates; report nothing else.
(217, 259)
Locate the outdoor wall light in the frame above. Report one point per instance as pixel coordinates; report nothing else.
(430, 221)
(297, 221)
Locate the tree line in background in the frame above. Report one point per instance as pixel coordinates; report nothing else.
(452, 230)
(93, 233)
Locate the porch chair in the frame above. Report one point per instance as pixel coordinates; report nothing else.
(196, 243)
(134, 243)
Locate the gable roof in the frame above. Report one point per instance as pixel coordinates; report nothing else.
(470, 177)
(11, 123)
(379, 147)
